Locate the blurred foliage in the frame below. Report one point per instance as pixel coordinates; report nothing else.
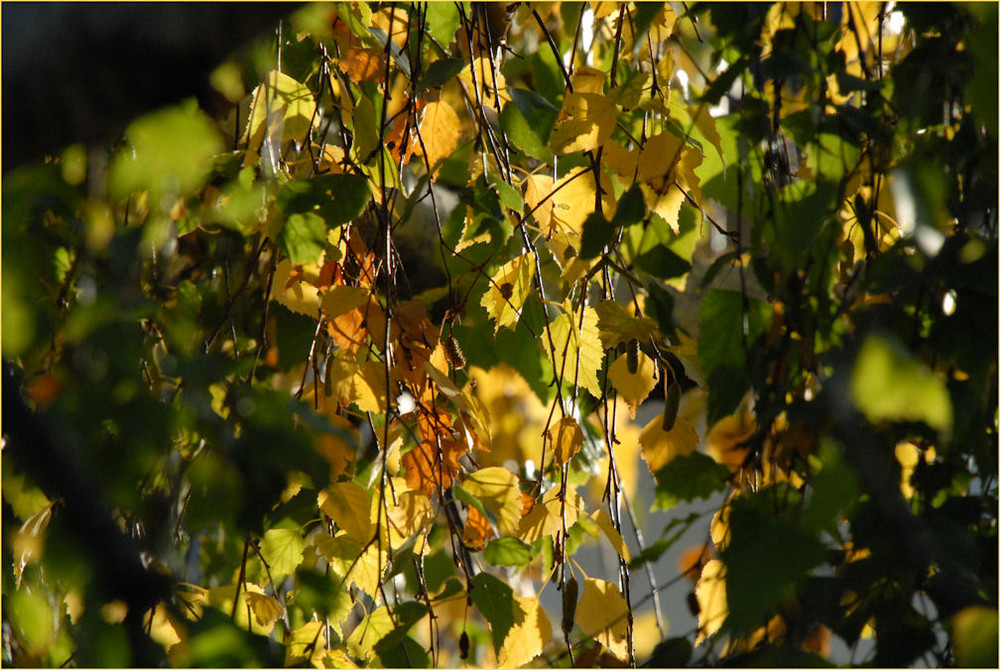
(346, 374)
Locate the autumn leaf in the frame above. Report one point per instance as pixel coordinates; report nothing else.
(369, 387)
(529, 635)
(545, 518)
(659, 447)
(283, 97)
(602, 614)
(306, 644)
(508, 291)
(440, 131)
(347, 504)
(361, 63)
(617, 325)
(603, 519)
(266, 609)
(633, 387)
(298, 295)
(566, 438)
(536, 189)
(477, 530)
(574, 198)
(340, 299)
(571, 339)
(710, 591)
(725, 441)
(498, 490)
(585, 122)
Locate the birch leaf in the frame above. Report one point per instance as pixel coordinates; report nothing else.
(634, 388)
(603, 615)
(584, 124)
(347, 504)
(659, 447)
(713, 608)
(566, 439)
(569, 340)
(529, 635)
(499, 491)
(440, 130)
(545, 518)
(509, 290)
(282, 549)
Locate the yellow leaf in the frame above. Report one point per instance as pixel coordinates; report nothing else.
(566, 439)
(574, 198)
(659, 447)
(307, 643)
(713, 608)
(161, 628)
(603, 519)
(508, 290)
(299, 296)
(529, 635)
(570, 340)
(603, 615)
(489, 87)
(266, 609)
(369, 387)
(348, 505)
(499, 491)
(341, 299)
(618, 325)
(367, 572)
(221, 598)
(634, 388)
(588, 79)
(279, 97)
(545, 518)
(728, 433)
(375, 626)
(666, 166)
(411, 513)
(340, 552)
(584, 123)
(282, 549)
(440, 130)
(537, 187)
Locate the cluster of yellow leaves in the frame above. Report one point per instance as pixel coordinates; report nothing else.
(575, 350)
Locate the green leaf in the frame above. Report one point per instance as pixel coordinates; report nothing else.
(508, 551)
(171, 152)
(440, 72)
(597, 233)
(765, 559)
(495, 601)
(527, 121)
(685, 478)
(631, 208)
(303, 237)
(974, 633)
(338, 198)
(443, 20)
(888, 384)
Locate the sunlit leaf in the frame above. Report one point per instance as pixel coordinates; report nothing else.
(347, 504)
(659, 446)
(602, 614)
(477, 530)
(566, 438)
(265, 608)
(307, 644)
(546, 517)
(375, 626)
(725, 441)
(570, 340)
(281, 105)
(171, 153)
(603, 519)
(508, 291)
(529, 635)
(585, 122)
(634, 387)
(497, 488)
(282, 549)
(888, 384)
(711, 594)
(440, 131)
(507, 551)
(618, 326)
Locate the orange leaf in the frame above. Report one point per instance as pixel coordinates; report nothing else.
(477, 530)
(360, 63)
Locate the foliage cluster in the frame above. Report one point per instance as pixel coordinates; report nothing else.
(348, 376)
